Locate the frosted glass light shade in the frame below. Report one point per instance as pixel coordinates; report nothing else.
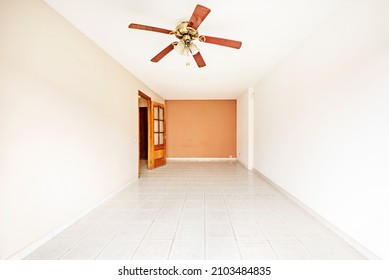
(181, 48)
(193, 48)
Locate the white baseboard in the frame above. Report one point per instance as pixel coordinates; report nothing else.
(200, 159)
(355, 244)
(244, 165)
(35, 245)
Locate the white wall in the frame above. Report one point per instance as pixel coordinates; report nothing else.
(322, 123)
(68, 123)
(245, 128)
(242, 138)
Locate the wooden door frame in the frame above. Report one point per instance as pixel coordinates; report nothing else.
(149, 132)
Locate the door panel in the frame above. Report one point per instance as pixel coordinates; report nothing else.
(159, 135)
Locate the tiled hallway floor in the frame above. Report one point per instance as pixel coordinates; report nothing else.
(213, 210)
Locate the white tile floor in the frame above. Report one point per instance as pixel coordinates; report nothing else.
(197, 211)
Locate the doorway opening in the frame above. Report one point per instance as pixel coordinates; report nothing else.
(152, 133)
(144, 106)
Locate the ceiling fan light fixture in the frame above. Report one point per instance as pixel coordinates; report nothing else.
(182, 48)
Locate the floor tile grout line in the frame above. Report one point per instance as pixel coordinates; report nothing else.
(205, 224)
(78, 241)
(232, 227)
(148, 229)
(272, 247)
(287, 225)
(112, 238)
(260, 226)
(171, 246)
(244, 201)
(137, 209)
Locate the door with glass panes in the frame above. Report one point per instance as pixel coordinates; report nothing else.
(159, 135)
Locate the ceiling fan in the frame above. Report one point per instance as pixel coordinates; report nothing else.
(186, 32)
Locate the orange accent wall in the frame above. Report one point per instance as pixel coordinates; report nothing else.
(201, 128)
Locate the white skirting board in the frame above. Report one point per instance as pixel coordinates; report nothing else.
(200, 159)
(355, 244)
(244, 165)
(35, 245)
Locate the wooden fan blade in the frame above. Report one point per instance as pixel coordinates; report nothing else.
(223, 42)
(162, 54)
(199, 14)
(199, 59)
(149, 28)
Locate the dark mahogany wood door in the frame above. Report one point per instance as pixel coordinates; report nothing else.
(143, 132)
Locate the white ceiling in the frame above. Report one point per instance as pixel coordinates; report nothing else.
(269, 30)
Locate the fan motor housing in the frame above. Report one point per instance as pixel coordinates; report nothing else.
(185, 33)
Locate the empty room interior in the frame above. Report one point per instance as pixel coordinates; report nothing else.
(128, 132)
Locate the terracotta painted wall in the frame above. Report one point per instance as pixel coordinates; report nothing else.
(201, 128)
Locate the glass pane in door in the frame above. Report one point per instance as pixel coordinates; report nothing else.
(156, 112)
(156, 138)
(160, 138)
(156, 129)
(160, 113)
(160, 126)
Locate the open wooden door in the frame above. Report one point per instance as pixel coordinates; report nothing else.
(158, 147)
